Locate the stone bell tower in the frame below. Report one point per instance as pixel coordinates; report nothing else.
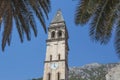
(56, 61)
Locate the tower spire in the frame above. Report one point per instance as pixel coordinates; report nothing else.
(58, 17)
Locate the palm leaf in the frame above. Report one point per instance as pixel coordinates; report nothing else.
(103, 17)
(117, 39)
(22, 11)
(85, 10)
(101, 26)
(7, 26)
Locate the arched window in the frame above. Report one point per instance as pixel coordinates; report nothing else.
(58, 56)
(59, 34)
(53, 34)
(58, 76)
(50, 57)
(49, 76)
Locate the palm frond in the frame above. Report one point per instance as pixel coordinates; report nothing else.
(105, 14)
(2, 10)
(103, 20)
(117, 34)
(43, 4)
(22, 11)
(40, 6)
(19, 28)
(85, 10)
(117, 39)
(7, 26)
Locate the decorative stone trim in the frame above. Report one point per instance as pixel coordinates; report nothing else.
(58, 22)
(54, 61)
(58, 39)
(57, 27)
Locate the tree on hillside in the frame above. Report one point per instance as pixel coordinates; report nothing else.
(104, 17)
(22, 12)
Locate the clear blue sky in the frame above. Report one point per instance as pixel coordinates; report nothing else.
(26, 61)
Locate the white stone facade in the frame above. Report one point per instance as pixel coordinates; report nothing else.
(56, 61)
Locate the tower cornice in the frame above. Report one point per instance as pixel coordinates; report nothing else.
(57, 39)
(54, 61)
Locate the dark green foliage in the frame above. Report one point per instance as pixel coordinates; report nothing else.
(38, 79)
(103, 16)
(22, 11)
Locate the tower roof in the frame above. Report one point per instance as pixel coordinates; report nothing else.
(58, 17)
